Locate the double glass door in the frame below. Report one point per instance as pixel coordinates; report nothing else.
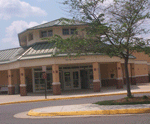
(40, 82)
(71, 79)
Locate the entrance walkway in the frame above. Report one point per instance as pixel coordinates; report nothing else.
(142, 87)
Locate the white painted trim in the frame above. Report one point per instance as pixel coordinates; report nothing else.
(140, 62)
(118, 78)
(131, 76)
(30, 62)
(140, 75)
(96, 80)
(56, 83)
(148, 63)
(11, 85)
(24, 53)
(23, 85)
(35, 57)
(108, 78)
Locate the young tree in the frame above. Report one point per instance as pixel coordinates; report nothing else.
(113, 29)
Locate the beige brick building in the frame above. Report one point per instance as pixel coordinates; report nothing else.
(21, 68)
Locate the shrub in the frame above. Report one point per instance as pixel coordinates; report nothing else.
(145, 97)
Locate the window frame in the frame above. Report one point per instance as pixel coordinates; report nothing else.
(30, 36)
(24, 38)
(43, 32)
(49, 34)
(70, 32)
(46, 33)
(64, 32)
(74, 32)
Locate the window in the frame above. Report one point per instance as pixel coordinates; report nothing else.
(24, 39)
(112, 75)
(43, 33)
(50, 33)
(74, 31)
(47, 33)
(69, 31)
(65, 31)
(30, 36)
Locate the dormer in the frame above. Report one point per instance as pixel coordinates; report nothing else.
(25, 38)
(63, 27)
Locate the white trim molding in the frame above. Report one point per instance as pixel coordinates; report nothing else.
(23, 85)
(148, 63)
(140, 75)
(119, 78)
(109, 79)
(11, 85)
(140, 62)
(24, 53)
(56, 83)
(96, 80)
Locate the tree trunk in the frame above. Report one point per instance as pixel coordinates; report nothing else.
(127, 78)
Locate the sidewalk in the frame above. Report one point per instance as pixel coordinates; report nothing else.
(105, 91)
(90, 109)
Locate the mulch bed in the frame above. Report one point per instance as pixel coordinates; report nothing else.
(133, 99)
(126, 101)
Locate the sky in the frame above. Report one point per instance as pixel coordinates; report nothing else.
(18, 15)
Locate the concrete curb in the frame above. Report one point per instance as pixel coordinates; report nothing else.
(97, 112)
(74, 97)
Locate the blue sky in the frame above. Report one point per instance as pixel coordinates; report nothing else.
(18, 15)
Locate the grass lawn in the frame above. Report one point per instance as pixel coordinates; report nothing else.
(126, 101)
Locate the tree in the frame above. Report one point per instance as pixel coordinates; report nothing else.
(112, 29)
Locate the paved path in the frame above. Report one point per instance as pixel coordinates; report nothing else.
(35, 97)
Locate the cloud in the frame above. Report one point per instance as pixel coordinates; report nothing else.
(44, 22)
(10, 8)
(15, 28)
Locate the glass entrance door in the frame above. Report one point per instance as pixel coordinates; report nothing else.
(67, 80)
(40, 82)
(71, 79)
(76, 79)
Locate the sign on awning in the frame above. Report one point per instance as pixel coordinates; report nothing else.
(43, 68)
